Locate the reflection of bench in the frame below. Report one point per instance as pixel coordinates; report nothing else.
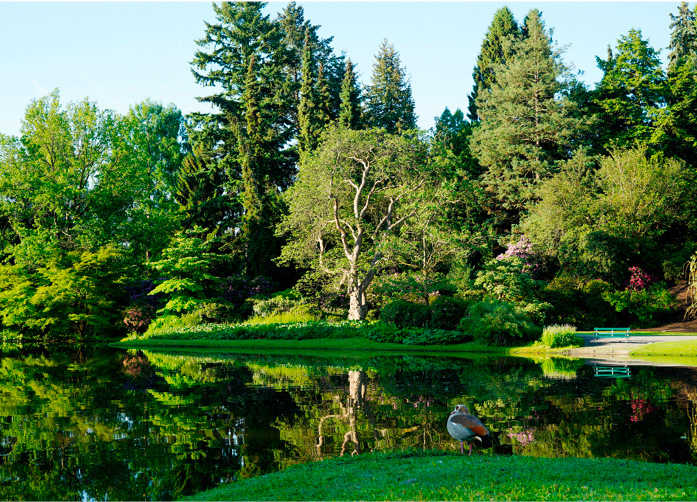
(613, 371)
(612, 332)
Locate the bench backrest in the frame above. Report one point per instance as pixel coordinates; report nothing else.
(612, 330)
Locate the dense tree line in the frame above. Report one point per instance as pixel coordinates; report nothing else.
(305, 180)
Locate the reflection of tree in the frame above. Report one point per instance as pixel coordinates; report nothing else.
(156, 426)
(355, 403)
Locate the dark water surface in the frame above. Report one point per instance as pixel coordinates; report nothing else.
(97, 423)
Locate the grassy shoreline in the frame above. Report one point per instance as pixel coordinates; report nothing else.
(351, 339)
(434, 475)
(314, 344)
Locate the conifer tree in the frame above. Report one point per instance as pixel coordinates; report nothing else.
(631, 94)
(676, 130)
(258, 221)
(389, 100)
(309, 102)
(525, 127)
(495, 51)
(683, 36)
(350, 110)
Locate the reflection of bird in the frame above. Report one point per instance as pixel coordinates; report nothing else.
(465, 427)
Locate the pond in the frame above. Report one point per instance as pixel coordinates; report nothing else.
(98, 423)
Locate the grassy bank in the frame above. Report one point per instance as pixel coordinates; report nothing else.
(447, 476)
(316, 344)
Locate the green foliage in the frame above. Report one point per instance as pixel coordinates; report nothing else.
(350, 113)
(498, 323)
(598, 222)
(556, 335)
(343, 212)
(526, 124)
(580, 303)
(405, 314)
(281, 303)
(186, 270)
(444, 313)
(643, 308)
(493, 56)
(389, 102)
(632, 92)
(75, 295)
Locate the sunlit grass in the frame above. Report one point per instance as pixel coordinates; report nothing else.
(281, 318)
(315, 344)
(447, 476)
(677, 348)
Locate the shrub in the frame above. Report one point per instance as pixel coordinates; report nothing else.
(404, 314)
(279, 303)
(579, 303)
(498, 323)
(445, 312)
(561, 336)
(645, 307)
(435, 337)
(137, 318)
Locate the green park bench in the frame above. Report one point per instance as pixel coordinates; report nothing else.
(612, 332)
(612, 371)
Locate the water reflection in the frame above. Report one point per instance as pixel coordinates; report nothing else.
(98, 423)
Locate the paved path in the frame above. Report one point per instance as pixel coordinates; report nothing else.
(606, 349)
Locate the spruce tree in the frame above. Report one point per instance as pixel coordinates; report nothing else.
(495, 51)
(683, 36)
(676, 130)
(308, 104)
(524, 126)
(257, 234)
(631, 94)
(389, 100)
(350, 110)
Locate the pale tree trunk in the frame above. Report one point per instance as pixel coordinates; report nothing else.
(358, 306)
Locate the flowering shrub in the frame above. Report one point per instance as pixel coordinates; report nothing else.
(137, 318)
(523, 249)
(639, 279)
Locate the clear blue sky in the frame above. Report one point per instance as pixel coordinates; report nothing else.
(120, 53)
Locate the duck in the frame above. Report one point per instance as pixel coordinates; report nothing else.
(466, 427)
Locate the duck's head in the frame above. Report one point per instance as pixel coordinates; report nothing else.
(460, 409)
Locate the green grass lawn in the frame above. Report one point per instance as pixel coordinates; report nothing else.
(448, 476)
(683, 352)
(340, 344)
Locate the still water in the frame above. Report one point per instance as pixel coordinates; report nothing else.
(97, 423)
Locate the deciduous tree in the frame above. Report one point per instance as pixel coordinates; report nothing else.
(351, 194)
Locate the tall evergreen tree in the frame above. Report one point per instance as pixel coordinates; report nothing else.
(296, 32)
(259, 195)
(350, 110)
(525, 126)
(683, 36)
(308, 130)
(631, 94)
(677, 130)
(389, 99)
(495, 52)
(200, 194)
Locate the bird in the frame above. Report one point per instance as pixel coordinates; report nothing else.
(465, 427)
